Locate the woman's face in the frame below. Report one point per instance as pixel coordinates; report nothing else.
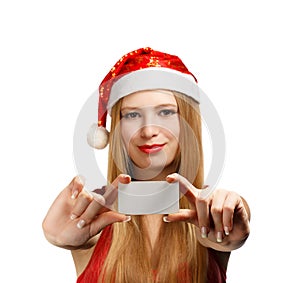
(150, 128)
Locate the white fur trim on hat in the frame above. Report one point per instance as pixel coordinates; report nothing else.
(154, 78)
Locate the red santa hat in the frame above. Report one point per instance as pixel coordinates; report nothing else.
(142, 69)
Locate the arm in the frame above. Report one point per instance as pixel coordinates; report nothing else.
(76, 218)
(81, 257)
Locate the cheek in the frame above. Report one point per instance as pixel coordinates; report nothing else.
(174, 131)
(128, 133)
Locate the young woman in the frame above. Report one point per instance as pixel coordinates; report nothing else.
(155, 135)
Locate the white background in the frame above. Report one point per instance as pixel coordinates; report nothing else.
(246, 57)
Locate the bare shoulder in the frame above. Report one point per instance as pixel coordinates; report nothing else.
(81, 257)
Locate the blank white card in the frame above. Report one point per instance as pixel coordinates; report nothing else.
(154, 197)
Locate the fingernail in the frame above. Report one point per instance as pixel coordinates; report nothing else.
(80, 179)
(165, 219)
(226, 230)
(219, 237)
(80, 224)
(171, 177)
(203, 232)
(74, 195)
(128, 218)
(125, 176)
(73, 216)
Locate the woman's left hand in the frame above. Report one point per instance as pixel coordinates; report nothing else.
(222, 217)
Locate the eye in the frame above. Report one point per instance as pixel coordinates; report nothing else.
(131, 115)
(167, 112)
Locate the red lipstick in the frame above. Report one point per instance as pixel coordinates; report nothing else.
(153, 148)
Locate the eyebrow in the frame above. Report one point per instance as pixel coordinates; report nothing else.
(155, 107)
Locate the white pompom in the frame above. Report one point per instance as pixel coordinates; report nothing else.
(97, 137)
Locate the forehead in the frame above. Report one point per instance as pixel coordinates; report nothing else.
(149, 98)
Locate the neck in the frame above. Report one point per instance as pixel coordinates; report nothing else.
(152, 174)
(153, 224)
(149, 176)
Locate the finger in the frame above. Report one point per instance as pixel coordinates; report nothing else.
(122, 178)
(185, 186)
(111, 191)
(92, 210)
(202, 208)
(216, 210)
(76, 186)
(231, 202)
(82, 202)
(187, 215)
(106, 195)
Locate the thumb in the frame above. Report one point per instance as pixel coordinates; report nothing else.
(106, 219)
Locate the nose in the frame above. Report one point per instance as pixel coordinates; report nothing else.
(149, 127)
(150, 130)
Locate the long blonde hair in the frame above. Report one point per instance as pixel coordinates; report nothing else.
(177, 252)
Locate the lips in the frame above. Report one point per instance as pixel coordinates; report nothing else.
(153, 148)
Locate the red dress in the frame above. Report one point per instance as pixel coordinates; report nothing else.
(215, 273)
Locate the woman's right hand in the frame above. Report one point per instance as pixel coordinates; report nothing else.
(76, 216)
